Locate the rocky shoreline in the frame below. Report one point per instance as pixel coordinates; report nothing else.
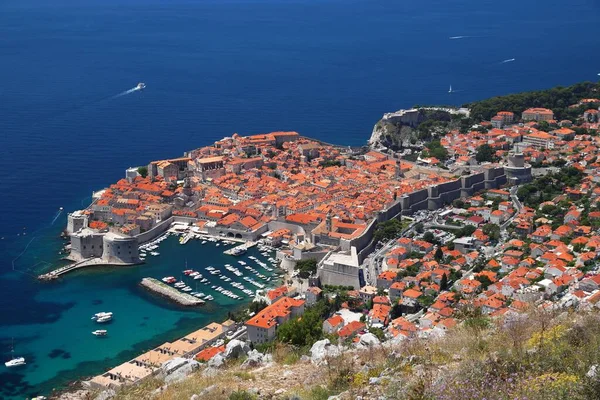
(170, 293)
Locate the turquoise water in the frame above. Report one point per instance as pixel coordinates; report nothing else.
(60, 346)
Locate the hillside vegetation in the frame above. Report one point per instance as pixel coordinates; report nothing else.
(542, 354)
(557, 99)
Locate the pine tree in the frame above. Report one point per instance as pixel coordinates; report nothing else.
(444, 282)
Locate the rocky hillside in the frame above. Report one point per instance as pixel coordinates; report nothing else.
(405, 128)
(544, 354)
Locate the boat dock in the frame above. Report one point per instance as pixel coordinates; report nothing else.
(171, 293)
(244, 246)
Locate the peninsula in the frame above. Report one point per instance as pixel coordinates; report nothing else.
(489, 231)
(279, 188)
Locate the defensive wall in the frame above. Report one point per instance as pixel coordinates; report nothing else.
(431, 198)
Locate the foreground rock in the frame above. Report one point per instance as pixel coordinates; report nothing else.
(235, 349)
(255, 359)
(323, 349)
(178, 369)
(368, 340)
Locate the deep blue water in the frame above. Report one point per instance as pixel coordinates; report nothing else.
(325, 68)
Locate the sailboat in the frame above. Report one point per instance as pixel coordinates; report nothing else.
(14, 362)
(450, 90)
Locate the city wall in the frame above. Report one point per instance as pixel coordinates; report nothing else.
(431, 198)
(161, 228)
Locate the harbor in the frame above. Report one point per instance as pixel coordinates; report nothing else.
(171, 293)
(143, 319)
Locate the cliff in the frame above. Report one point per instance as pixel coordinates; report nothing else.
(405, 128)
(396, 129)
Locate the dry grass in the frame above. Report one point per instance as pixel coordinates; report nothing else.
(542, 356)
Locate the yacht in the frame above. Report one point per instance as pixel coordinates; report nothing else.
(15, 362)
(100, 332)
(101, 315)
(104, 318)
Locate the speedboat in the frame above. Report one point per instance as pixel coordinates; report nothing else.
(15, 362)
(141, 86)
(100, 332)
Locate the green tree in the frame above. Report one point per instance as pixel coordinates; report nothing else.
(492, 230)
(439, 254)
(419, 227)
(485, 152)
(388, 230)
(396, 311)
(485, 281)
(444, 282)
(306, 267)
(306, 329)
(428, 237)
(143, 171)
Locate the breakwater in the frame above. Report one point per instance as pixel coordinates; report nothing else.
(173, 294)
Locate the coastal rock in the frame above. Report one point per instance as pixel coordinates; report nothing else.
(195, 397)
(216, 361)
(323, 349)
(106, 395)
(395, 128)
(255, 358)
(235, 349)
(592, 372)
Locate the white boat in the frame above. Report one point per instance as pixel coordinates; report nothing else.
(187, 289)
(204, 280)
(104, 318)
(450, 90)
(154, 253)
(100, 332)
(204, 242)
(101, 315)
(141, 86)
(199, 276)
(15, 362)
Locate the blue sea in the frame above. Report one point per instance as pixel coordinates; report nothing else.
(325, 68)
